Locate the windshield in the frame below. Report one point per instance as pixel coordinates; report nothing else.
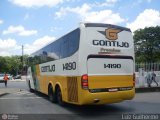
(1, 75)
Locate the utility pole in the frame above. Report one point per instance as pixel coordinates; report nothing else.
(22, 55)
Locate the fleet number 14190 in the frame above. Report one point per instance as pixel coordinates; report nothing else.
(112, 65)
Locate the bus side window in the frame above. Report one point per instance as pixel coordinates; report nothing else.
(64, 48)
(74, 41)
(30, 60)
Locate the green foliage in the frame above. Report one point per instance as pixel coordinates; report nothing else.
(147, 44)
(12, 65)
(3, 64)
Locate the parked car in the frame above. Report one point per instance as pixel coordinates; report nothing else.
(10, 76)
(1, 78)
(17, 77)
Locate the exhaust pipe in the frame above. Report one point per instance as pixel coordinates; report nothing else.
(96, 100)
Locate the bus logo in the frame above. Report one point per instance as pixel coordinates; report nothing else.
(112, 33)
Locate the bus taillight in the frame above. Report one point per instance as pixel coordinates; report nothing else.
(134, 78)
(84, 81)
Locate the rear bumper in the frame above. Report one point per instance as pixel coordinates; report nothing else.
(106, 97)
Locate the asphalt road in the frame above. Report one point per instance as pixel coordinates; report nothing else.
(25, 105)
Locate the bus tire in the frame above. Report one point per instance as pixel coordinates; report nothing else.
(30, 89)
(59, 97)
(51, 95)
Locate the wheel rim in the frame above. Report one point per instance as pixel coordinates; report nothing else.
(59, 96)
(50, 94)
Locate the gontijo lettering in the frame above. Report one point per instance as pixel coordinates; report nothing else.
(48, 68)
(110, 43)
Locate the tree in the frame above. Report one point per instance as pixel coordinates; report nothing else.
(147, 44)
(3, 64)
(12, 64)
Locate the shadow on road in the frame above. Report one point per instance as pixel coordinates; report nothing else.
(93, 111)
(97, 110)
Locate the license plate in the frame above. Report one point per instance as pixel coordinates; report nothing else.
(113, 90)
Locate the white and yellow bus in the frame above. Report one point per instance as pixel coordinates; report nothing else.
(93, 64)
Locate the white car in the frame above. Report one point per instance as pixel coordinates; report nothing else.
(9, 76)
(1, 77)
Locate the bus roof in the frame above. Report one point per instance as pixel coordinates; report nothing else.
(88, 25)
(105, 25)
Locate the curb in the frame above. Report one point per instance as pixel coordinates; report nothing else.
(3, 94)
(17, 80)
(147, 89)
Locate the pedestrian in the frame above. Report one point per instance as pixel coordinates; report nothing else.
(5, 79)
(153, 77)
(148, 77)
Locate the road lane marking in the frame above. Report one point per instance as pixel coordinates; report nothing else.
(19, 98)
(23, 93)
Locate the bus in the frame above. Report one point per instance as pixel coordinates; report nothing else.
(93, 64)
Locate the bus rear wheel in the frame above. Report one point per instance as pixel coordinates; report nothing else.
(59, 97)
(51, 95)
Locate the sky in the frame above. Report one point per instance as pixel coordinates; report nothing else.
(35, 23)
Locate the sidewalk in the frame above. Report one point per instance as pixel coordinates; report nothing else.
(17, 80)
(4, 91)
(143, 87)
(147, 89)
